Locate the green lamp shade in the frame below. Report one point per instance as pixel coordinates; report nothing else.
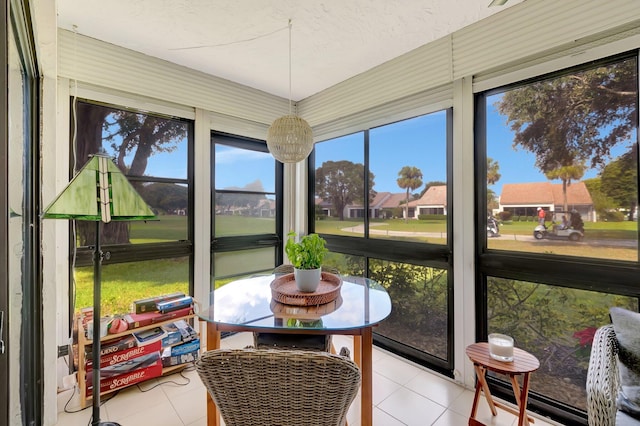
(99, 192)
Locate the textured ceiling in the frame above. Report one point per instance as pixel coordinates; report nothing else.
(247, 41)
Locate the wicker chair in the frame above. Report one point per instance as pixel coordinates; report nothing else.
(603, 381)
(279, 387)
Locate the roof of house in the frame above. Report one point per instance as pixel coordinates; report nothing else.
(545, 193)
(393, 200)
(434, 196)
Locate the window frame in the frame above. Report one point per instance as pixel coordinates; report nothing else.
(438, 256)
(254, 241)
(124, 253)
(591, 274)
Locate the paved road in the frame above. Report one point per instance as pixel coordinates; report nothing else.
(359, 229)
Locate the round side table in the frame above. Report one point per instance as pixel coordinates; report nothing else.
(523, 364)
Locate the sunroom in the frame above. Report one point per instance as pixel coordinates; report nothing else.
(531, 91)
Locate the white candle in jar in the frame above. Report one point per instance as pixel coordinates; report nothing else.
(501, 347)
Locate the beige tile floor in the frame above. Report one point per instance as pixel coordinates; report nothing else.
(403, 393)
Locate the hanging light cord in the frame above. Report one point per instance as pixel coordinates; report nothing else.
(203, 46)
(290, 66)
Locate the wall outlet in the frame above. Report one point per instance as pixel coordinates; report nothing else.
(63, 350)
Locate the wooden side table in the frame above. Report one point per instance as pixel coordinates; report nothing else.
(523, 364)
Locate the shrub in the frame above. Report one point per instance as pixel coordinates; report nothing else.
(612, 216)
(506, 215)
(432, 217)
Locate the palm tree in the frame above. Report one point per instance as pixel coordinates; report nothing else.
(493, 171)
(566, 174)
(409, 178)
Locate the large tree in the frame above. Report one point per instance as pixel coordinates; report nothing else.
(601, 202)
(342, 183)
(165, 197)
(128, 134)
(575, 118)
(409, 178)
(619, 181)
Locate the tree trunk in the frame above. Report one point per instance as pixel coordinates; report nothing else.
(90, 121)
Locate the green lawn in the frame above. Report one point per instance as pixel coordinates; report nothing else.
(596, 230)
(123, 283)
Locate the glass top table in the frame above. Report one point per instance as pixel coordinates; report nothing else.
(247, 305)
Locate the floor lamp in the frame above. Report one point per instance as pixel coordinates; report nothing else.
(99, 193)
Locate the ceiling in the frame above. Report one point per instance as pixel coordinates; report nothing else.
(247, 41)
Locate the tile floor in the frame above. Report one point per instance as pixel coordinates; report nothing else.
(403, 394)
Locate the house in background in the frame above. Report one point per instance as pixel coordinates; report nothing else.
(385, 204)
(433, 201)
(382, 206)
(523, 199)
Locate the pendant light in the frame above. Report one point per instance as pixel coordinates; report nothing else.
(290, 138)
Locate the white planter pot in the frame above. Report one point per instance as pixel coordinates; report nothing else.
(307, 280)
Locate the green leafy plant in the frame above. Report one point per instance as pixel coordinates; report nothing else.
(308, 253)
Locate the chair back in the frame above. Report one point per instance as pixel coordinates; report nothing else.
(265, 387)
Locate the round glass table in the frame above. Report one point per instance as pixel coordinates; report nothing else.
(248, 305)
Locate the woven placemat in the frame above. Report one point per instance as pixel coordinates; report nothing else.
(310, 312)
(285, 290)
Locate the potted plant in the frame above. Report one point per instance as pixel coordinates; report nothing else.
(306, 256)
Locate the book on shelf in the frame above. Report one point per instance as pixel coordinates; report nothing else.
(129, 354)
(111, 346)
(150, 335)
(149, 304)
(184, 330)
(148, 318)
(183, 348)
(125, 367)
(169, 360)
(174, 304)
(128, 378)
(181, 354)
(172, 337)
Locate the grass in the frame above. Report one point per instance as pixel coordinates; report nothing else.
(122, 283)
(167, 228)
(597, 230)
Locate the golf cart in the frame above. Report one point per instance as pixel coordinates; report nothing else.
(564, 226)
(493, 229)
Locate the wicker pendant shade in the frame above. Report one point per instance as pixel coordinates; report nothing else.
(290, 139)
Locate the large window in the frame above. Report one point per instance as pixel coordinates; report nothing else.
(558, 167)
(154, 152)
(246, 207)
(562, 163)
(381, 202)
(409, 162)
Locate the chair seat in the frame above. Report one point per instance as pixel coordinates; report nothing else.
(309, 342)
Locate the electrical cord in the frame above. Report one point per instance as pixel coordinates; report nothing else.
(169, 381)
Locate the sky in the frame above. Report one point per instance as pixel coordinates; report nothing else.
(419, 142)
